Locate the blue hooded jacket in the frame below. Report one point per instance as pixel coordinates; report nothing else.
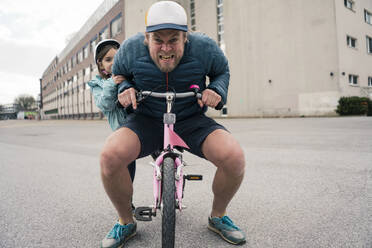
(105, 97)
(202, 57)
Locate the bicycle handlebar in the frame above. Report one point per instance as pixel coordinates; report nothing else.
(165, 94)
(140, 95)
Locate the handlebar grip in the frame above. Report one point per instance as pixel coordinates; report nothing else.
(219, 106)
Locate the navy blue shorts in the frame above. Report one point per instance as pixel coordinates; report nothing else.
(150, 132)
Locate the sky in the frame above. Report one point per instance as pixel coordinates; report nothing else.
(32, 33)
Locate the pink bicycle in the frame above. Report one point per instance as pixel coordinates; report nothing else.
(168, 180)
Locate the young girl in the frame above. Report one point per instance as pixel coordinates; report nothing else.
(105, 90)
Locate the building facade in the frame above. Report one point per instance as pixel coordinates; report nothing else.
(287, 57)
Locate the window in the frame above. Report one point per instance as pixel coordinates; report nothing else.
(116, 25)
(104, 34)
(351, 42)
(85, 51)
(353, 79)
(369, 44)
(79, 56)
(93, 43)
(369, 81)
(220, 29)
(69, 67)
(192, 15)
(368, 16)
(349, 4)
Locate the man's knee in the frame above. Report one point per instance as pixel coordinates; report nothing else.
(110, 162)
(225, 152)
(116, 154)
(233, 161)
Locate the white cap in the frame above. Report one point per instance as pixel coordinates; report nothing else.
(166, 15)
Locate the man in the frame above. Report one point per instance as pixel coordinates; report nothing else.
(166, 57)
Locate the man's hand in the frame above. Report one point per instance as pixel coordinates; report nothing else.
(128, 97)
(118, 79)
(210, 98)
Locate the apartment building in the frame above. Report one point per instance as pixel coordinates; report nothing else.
(287, 57)
(65, 93)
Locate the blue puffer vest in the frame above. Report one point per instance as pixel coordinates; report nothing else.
(202, 57)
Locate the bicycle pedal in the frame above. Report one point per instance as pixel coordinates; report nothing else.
(144, 214)
(193, 177)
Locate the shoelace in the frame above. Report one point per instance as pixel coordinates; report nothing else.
(226, 220)
(115, 232)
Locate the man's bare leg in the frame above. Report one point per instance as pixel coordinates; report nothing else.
(226, 154)
(120, 149)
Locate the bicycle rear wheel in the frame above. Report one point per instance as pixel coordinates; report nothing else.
(169, 204)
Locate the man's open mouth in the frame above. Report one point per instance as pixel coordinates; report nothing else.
(166, 57)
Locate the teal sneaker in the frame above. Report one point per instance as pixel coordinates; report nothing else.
(118, 235)
(226, 229)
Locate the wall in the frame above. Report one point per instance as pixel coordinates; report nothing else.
(281, 54)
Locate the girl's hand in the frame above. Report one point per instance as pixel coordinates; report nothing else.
(118, 79)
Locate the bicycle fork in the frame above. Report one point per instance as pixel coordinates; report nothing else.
(146, 213)
(179, 179)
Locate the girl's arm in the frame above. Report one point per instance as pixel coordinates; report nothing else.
(105, 97)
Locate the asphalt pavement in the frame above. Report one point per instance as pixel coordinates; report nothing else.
(308, 183)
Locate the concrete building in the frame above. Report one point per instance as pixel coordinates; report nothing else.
(64, 83)
(287, 57)
(8, 111)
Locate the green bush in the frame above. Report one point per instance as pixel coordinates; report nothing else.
(354, 105)
(369, 112)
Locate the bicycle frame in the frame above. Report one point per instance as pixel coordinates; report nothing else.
(168, 177)
(171, 139)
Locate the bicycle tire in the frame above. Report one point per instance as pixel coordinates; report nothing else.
(169, 204)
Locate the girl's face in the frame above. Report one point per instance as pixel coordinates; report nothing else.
(108, 60)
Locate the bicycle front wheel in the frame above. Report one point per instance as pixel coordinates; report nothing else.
(169, 204)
